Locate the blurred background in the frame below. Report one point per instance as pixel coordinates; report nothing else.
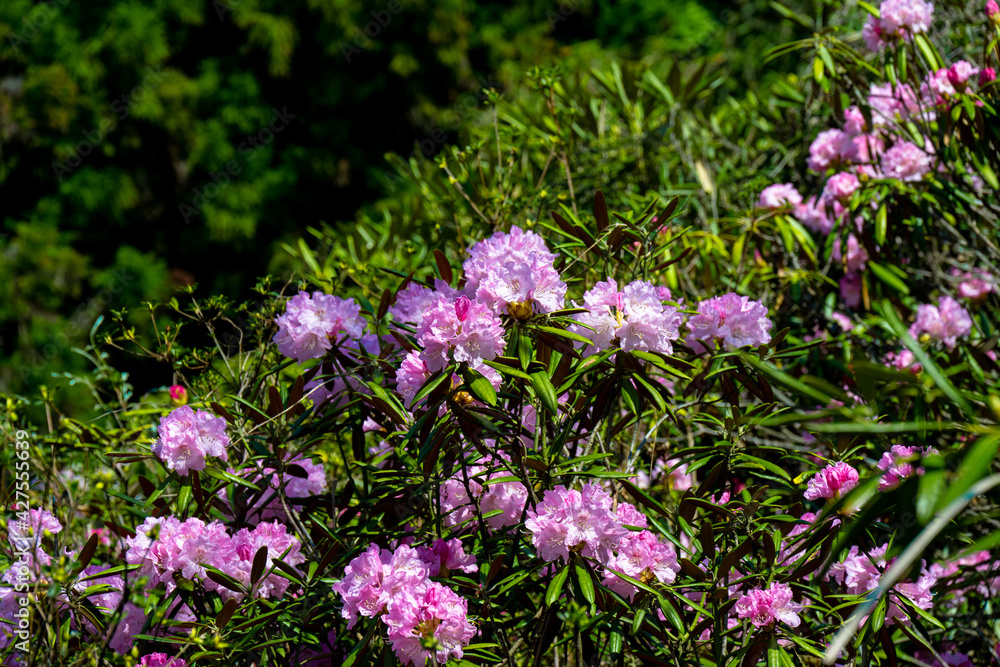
(151, 145)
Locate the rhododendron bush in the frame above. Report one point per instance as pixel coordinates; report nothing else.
(624, 429)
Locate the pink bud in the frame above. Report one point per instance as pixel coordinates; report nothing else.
(462, 307)
(992, 9)
(986, 75)
(178, 394)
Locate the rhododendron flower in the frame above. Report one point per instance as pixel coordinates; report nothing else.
(203, 544)
(906, 161)
(889, 103)
(947, 659)
(854, 121)
(309, 323)
(850, 289)
(987, 75)
(735, 320)
(903, 361)
(857, 256)
(431, 614)
(643, 557)
(766, 606)
(832, 481)
(974, 285)
(416, 299)
(960, 73)
(507, 497)
(678, 478)
(946, 322)
(161, 660)
(906, 17)
(375, 579)
(279, 543)
(993, 11)
(860, 574)
(635, 317)
(896, 466)
(841, 186)
(518, 247)
(828, 149)
(812, 214)
(178, 394)
(442, 557)
(462, 330)
(779, 195)
(187, 436)
(517, 287)
(569, 521)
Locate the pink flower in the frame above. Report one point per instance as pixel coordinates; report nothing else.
(860, 574)
(378, 579)
(442, 557)
(993, 11)
(311, 322)
(766, 606)
(889, 103)
(518, 247)
(850, 289)
(903, 361)
(636, 318)
(416, 299)
(830, 148)
(946, 322)
(279, 544)
(896, 466)
(874, 34)
(974, 285)
(813, 216)
(778, 196)
(460, 331)
(906, 16)
(857, 256)
(507, 497)
(854, 121)
(516, 287)
(643, 557)
(735, 320)
(832, 481)
(187, 436)
(906, 161)
(433, 615)
(161, 660)
(938, 86)
(948, 659)
(841, 186)
(987, 75)
(960, 73)
(178, 394)
(575, 521)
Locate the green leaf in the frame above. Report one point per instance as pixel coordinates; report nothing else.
(888, 277)
(563, 333)
(480, 387)
(556, 586)
(546, 392)
(973, 468)
(585, 582)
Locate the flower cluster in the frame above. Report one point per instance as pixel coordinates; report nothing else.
(311, 322)
(507, 498)
(165, 546)
(860, 573)
(735, 320)
(832, 482)
(897, 465)
(422, 617)
(633, 319)
(898, 19)
(947, 322)
(765, 606)
(187, 436)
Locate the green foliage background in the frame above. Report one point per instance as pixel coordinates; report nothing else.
(169, 92)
